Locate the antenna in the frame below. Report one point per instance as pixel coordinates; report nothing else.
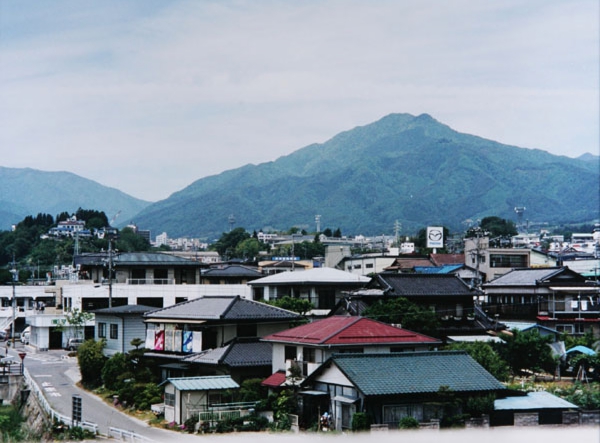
(231, 220)
(318, 221)
(397, 228)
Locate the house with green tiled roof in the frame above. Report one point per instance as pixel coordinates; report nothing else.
(388, 387)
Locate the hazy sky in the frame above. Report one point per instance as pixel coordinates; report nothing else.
(149, 96)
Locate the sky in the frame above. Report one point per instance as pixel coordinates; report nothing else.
(149, 96)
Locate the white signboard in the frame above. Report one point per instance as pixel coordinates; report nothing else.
(435, 237)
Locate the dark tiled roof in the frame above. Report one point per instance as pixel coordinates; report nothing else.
(236, 354)
(343, 330)
(222, 308)
(535, 276)
(125, 310)
(232, 271)
(415, 372)
(134, 258)
(415, 285)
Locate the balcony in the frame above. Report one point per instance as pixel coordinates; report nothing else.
(150, 281)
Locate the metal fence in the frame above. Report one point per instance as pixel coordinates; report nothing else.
(93, 427)
(51, 413)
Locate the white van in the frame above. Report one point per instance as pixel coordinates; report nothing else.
(25, 335)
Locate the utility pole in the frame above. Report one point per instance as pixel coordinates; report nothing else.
(110, 271)
(15, 275)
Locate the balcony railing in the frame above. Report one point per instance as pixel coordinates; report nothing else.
(150, 281)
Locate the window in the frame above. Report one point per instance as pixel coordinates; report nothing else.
(358, 266)
(101, 330)
(290, 353)
(114, 331)
(169, 399)
(369, 266)
(508, 261)
(308, 355)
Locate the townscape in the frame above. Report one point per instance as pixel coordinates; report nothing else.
(393, 335)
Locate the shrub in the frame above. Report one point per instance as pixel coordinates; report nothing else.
(408, 423)
(361, 422)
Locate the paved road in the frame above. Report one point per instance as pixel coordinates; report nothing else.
(57, 374)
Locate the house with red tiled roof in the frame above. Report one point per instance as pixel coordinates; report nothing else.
(309, 345)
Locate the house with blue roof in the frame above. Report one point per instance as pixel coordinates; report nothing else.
(188, 397)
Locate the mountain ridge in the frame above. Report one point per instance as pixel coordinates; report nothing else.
(401, 167)
(27, 191)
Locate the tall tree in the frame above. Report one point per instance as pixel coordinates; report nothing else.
(401, 311)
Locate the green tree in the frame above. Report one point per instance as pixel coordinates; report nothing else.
(526, 351)
(129, 241)
(91, 359)
(228, 242)
(487, 357)
(401, 311)
(248, 248)
(116, 369)
(299, 305)
(77, 319)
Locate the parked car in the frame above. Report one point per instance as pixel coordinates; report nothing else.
(73, 344)
(25, 335)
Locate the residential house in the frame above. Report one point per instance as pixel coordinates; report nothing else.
(139, 268)
(557, 297)
(408, 263)
(230, 274)
(308, 346)
(494, 262)
(118, 326)
(269, 267)
(323, 287)
(241, 359)
(452, 300)
(188, 397)
(365, 264)
(389, 387)
(209, 323)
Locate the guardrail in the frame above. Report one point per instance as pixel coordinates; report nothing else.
(127, 435)
(39, 395)
(93, 427)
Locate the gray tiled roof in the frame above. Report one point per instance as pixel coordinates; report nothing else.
(415, 372)
(232, 271)
(533, 276)
(135, 258)
(222, 308)
(414, 285)
(236, 354)
(125, 310)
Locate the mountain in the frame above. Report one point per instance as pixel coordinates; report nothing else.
(412, 169)
(27, 191)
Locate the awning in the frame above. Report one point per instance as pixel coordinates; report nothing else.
(313, 393)
(347, 400)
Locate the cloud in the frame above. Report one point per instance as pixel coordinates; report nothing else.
(149, 96)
